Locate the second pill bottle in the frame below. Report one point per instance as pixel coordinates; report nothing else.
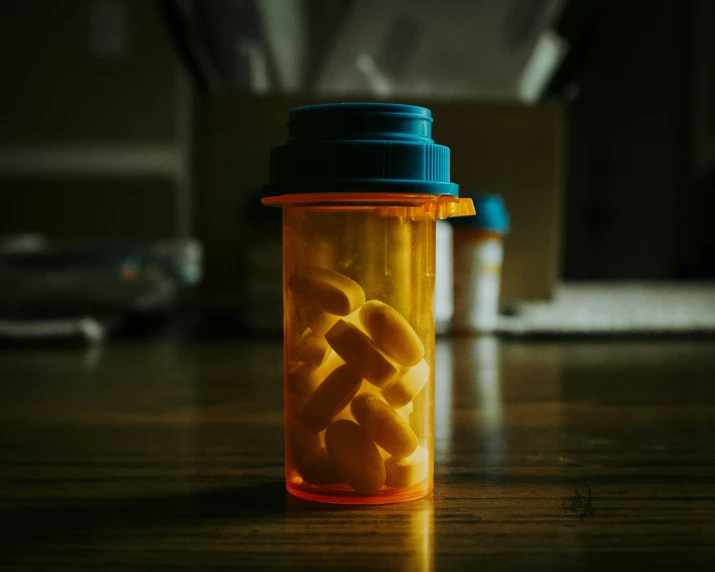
(361, 186)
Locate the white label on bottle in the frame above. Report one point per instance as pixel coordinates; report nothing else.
(477, 280)
(443, 286)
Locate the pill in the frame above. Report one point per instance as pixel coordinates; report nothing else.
(344, 414)
(403, 390)
(405, 412)
(355, 456)
(331, 397)
(383, 454)
(320, 322)
(420, 419)
(368, 387)
(333, 361)
(392, 333)
(312, 350)
(300, 439)
(407, 472)
(316, 467)
(383, 425)
(365, 387)
(357, 349)
(293, 405)
(302, 380)
(327, 290)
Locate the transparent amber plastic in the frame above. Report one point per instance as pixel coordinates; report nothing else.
(359, 375)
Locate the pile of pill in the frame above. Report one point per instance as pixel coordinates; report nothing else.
(352, 376)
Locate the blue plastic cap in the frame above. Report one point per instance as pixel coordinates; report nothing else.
(490, 215)
(360, 147)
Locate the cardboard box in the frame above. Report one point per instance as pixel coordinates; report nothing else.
(510, 149)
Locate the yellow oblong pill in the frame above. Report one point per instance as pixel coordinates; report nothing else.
(407, 472)
(331, 397)
(392, 333)
(403, 390)
(320, 322)
(405, 412)
(302, 380)
(299, 439)
(355, 456)
(316, 467)
(357, 349)
(384, 425)
(327, 290)
(300, 383)
(312, 350)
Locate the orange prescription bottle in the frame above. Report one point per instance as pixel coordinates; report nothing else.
(361, 186)
(478, 255)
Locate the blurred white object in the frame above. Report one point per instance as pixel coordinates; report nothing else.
(478, 256)
(546, 58)
(379, 84)
(255, 57)
(592, 308)
(386, 48)
(478, 261)
(444, 272)
(23, 244)
(85, 328)
(285, 31)
(462, 48)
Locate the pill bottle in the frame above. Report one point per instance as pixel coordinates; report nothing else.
(361, 186)
(478, 256)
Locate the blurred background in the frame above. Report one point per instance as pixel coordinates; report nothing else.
(135, 137)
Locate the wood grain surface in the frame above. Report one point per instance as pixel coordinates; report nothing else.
(549, 455)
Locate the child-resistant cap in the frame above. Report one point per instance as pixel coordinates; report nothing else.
(490, 215)
(360, 147)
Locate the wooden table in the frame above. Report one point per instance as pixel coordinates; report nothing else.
(549, 455)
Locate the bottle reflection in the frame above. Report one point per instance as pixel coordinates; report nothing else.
(477, 387)
(443, 420)
(420, 555)
(399, 536)
(487, 380)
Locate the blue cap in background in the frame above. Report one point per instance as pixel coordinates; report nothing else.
(360, 147)
(490, 215)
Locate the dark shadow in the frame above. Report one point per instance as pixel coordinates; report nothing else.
(29, 528)
(32, 527)
(297, 505)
